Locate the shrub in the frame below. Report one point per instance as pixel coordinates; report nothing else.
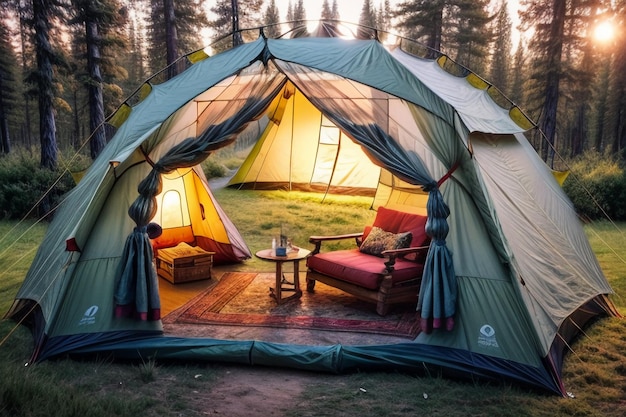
(213, 169)
(23, 184)
(597, 186)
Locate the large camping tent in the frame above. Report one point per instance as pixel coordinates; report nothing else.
(527, 279)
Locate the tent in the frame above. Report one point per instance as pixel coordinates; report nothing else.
(505, 238)
(300, 149)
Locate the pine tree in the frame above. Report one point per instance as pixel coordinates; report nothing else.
(28, 129)
(457, 28)
(43, 13)
(187, 22)
(329, 16)
(8, 80)
(501, 56)
(467, 33)
(135, 60)
(272, 20)
(383, 16)
(250, 16)
(547, 47)
(327, 13)
(562, 67)
(298, 22)
(367, 21)
(290, 17)
(422, 20)
(334, 11)
(616, 110)
(100, 41)
(518, 78)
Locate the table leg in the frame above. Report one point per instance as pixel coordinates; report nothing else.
(277, 291)
(279, 279)
(296, 277)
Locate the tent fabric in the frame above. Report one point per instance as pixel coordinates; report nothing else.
(504, 233)
(315, 154)
(137, 286)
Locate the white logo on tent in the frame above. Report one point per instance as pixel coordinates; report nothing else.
(487, 337)
(89, 317)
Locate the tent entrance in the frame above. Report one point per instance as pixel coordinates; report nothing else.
(188, 212)
(302, 150)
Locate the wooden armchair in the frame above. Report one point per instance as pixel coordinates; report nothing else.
(386, 265)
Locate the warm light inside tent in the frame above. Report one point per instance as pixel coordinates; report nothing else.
(172, 206)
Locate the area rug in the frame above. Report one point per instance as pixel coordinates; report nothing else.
(242, 299)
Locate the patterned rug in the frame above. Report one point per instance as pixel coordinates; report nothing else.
(242, 299)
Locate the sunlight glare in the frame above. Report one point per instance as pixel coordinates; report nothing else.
(604, 32)
(311, 25)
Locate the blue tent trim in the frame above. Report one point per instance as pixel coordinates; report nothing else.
(336, 359)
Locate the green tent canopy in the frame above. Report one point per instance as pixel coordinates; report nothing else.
(526, 277)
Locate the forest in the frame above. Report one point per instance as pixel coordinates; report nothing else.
(67, 65)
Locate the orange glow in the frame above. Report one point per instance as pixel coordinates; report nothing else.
(604, 32)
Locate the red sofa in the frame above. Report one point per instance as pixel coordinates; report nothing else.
(388, 274)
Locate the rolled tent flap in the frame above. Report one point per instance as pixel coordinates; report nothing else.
(438, 292)
(137, 293)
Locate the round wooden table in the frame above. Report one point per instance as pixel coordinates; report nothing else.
(282, 284)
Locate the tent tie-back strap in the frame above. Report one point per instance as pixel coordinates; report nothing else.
(147, 157)
(448, 174)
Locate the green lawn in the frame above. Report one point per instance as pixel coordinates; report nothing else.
(595, 370)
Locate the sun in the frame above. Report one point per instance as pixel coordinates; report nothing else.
(604, 32)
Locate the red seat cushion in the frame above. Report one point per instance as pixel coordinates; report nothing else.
(361, 269)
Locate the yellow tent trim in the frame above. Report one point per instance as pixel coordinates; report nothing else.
(477, 82)
(560, 176)
(120, 116)
(145, 89)
(78, 175)
(197, 56)
(520, 118)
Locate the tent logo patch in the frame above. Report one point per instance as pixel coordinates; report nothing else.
(487, 337)
(89, 317)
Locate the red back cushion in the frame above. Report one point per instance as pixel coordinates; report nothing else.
(399, 222)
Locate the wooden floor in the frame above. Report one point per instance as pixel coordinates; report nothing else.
(175, 296)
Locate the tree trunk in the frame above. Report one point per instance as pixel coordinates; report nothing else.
(43, 52)
(5, 139)
(237, 38)
(25, 129)
(547, 123)
(579, 130)
(171, 37)
(96, 101)
(434, 39)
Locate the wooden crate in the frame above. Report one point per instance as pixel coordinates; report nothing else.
(184, 263)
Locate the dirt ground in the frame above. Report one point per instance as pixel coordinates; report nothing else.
(255, 392)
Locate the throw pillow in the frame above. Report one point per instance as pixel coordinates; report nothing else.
(379, 240)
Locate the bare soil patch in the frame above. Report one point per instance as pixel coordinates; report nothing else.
(254, 391)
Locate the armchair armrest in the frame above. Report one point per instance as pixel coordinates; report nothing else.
(393, 254)
(317, 240)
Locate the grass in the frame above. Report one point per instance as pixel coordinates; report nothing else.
(595, 372)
